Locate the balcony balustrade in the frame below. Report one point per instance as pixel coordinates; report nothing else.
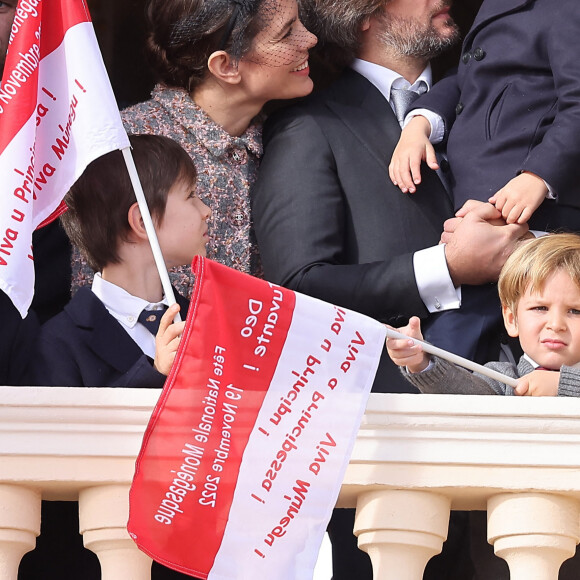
(416, 458)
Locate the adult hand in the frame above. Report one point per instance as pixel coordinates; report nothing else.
(538, 384)
(481, 209)
(167, 340)
(404, 352)
(478, 244)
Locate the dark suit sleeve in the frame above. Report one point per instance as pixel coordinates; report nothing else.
(556, 158)
(303, 227)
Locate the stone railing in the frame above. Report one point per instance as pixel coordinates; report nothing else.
(415, 458)
(68, 444)
(418, 456)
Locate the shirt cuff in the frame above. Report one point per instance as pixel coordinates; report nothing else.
(436, 122)
(427, 368)
(434, 281)
(550, 194)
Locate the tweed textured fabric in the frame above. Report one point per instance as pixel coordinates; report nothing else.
(227, 167)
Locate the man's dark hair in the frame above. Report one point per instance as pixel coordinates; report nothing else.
(337, 24)
(98, 203)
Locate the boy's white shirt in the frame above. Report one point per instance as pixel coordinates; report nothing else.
(435, 120)
(125, 308)
(531, 361)
(536, 365)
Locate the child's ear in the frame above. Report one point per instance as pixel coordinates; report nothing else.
(222, 67)
(136, 222)
(510, 321)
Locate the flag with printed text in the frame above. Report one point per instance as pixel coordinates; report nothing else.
(57, 114)
(243, 458)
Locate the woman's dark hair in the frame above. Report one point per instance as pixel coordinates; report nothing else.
(184, 33)
(98, 203)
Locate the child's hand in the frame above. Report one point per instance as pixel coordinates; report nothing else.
(538, 384)
(413, 147)
(167, 340)
(405, 353)
(520, 197)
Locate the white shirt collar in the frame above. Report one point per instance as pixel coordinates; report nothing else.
(122, 306)
(532, 362)
(536, 365)
(384, 78)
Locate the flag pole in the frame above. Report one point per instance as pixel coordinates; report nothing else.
(149, 228)
(458, 360)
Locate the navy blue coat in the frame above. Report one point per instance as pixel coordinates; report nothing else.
(84, 346)
(514, 104)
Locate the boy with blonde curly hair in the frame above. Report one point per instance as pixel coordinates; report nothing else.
(539, 289)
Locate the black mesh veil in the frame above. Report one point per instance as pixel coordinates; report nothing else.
(256, 30)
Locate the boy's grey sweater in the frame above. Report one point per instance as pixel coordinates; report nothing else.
(446, 378)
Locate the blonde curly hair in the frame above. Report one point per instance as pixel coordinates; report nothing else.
(534, 262)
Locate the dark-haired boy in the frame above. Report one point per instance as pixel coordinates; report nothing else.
(99, 340)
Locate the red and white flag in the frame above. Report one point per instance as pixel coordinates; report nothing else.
(57, 114)
(243, 458)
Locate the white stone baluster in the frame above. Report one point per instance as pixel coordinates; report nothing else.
(533, 532)
(19, 526)
(401, 530)
(103, 515)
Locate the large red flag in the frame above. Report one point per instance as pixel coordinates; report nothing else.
(57, 114)
(243, 458)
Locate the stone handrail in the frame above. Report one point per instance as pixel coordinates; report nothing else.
(415, 458)
(68, 444)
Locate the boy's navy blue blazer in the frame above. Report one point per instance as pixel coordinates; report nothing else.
(514, 104)
(84, 346)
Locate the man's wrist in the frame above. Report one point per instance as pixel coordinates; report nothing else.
(453, 274)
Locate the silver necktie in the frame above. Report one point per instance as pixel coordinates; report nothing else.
(402, 99)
